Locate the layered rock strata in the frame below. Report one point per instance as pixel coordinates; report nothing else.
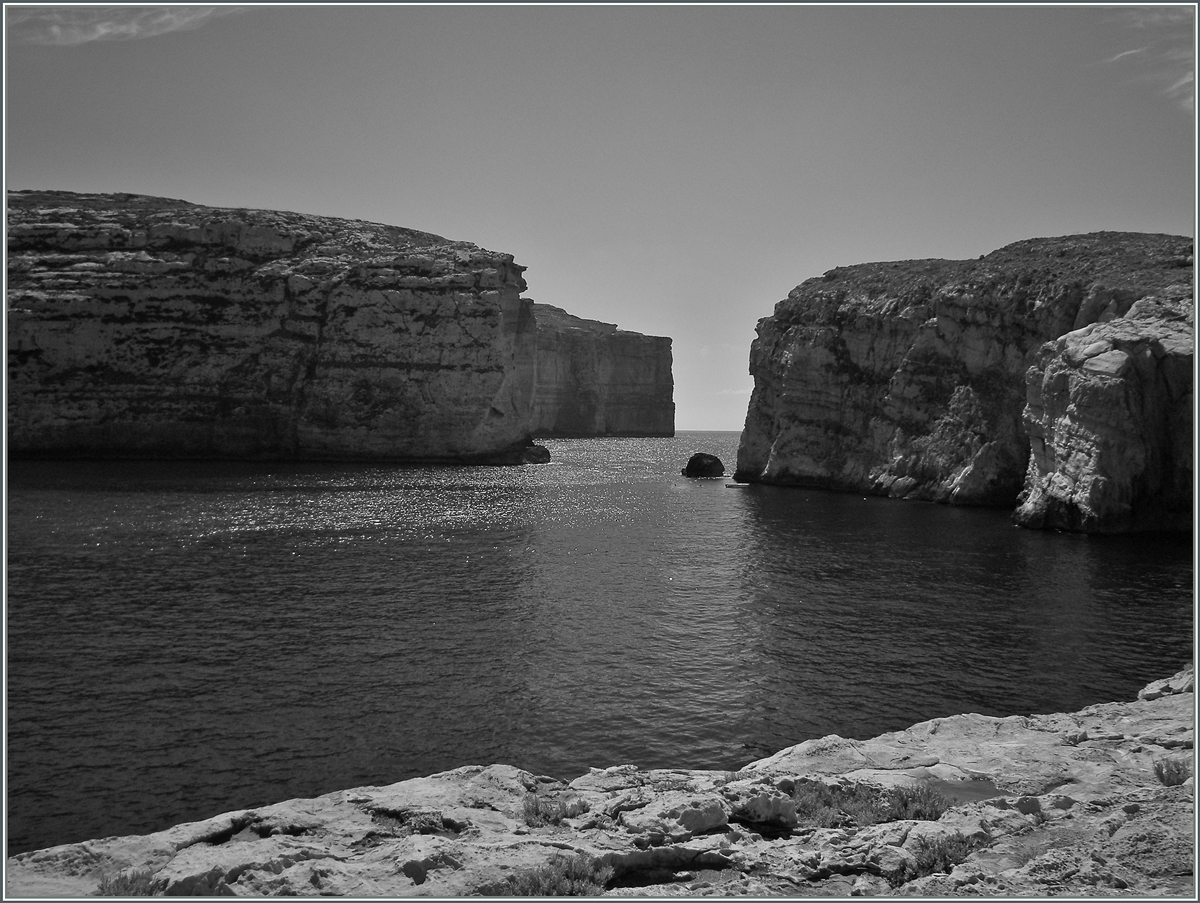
(149, 327)
(143, 326)
(593, 379)
(930, 379)
(1097, 802)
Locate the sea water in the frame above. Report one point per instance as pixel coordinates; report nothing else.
(184, 639)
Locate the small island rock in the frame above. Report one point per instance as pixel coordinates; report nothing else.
(536, 454)
(702, 464)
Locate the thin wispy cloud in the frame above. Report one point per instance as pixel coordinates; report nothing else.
(1125, 53)
(1183, 91)
(65, 26)
(1155, 16)
(1166, 56)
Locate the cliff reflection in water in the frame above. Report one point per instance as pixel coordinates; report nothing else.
(872, 615)
(186, 639)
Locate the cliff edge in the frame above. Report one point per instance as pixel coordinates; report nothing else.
(593, 379)
(1054, 374)
(1097, 802)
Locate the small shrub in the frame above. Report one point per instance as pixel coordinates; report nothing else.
(921, 802)
(138, 883)
(831, 806)
(941, 854)
(563, 876)
(541, 810)
(814, 802)
(404, 822)
(1172, 772)
(826, 806)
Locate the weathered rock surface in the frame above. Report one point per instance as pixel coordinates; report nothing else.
(150, 327)
(910, 379)
(1109, 418)
(1063, 804)
(593, 379)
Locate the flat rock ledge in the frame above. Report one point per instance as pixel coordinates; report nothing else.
(1092, 803)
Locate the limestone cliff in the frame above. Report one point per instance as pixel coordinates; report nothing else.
(142, 326)
(910, 379)
(1109, 417)
(593, 379)
(1091, 803)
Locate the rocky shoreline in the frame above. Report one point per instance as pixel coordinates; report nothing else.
(1097, 802)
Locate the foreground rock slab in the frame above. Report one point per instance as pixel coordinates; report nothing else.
(1095, 802)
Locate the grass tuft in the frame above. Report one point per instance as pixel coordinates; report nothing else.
(563, 876)
(1172, 772)
(542, 810)
(939, 855)
(138, 883)
(835, 806)
(920, 802)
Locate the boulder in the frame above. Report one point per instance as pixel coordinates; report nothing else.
(535, 454)
(703, 464)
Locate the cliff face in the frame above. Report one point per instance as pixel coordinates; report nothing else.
(593, 379)
(909, 379)
(142, 326)
(1109, 417)
(148, 326)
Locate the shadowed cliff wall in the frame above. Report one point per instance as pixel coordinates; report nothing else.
(593, 379)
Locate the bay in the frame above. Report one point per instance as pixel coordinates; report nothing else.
(188, 638)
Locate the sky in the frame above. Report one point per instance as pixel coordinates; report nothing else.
(673, 169)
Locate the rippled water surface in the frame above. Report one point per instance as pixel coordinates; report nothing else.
(185, 639)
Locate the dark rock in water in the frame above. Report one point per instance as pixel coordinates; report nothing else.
(702, 464)
(536, 454)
